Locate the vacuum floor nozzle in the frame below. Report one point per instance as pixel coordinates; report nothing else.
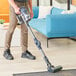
(54, 69)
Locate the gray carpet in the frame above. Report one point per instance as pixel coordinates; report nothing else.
(71, 72)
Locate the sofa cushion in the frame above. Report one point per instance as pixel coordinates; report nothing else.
(55, 11)
(39, 25)
(35, 11)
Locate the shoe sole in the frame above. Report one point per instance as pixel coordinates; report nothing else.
(28, 58)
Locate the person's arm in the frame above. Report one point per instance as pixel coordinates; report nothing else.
(30, 6)
(13, 4)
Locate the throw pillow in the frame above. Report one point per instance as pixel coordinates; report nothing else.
(44, 10)
(68, 12)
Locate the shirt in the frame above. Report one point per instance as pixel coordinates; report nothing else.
(21, 0)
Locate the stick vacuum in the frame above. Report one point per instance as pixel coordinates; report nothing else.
(24, 17)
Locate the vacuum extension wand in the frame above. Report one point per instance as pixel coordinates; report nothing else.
(24, 17)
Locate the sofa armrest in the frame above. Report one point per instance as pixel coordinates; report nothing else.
(61, 23)
(56, 11)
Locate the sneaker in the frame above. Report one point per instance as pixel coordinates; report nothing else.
(8, 55)
(28, 55)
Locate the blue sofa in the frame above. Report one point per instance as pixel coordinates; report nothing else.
(55, 24)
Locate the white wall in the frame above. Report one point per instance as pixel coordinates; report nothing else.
(47, 2)
(34, 2)
(56, 3)
(41, 2)
(44, 2)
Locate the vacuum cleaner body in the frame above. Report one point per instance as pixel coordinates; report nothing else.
(25, 17)
(24, 14)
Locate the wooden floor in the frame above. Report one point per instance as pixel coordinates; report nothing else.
(60, 52)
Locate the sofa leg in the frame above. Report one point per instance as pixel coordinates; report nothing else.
(47, 42)
(72, 38)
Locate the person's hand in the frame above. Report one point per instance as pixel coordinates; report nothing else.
(31, 13)
(17, 10)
